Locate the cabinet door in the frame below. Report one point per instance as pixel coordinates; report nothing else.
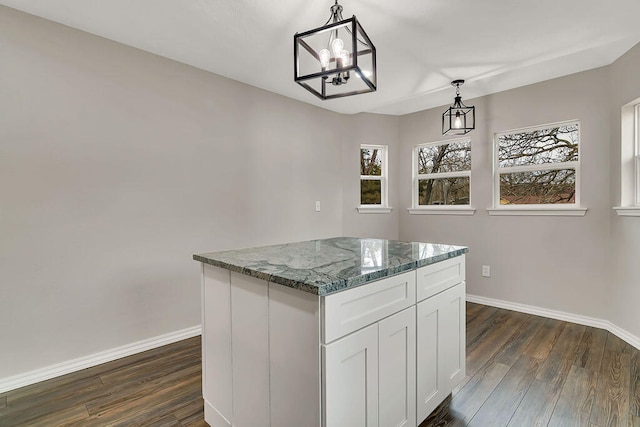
(452, 336)
(397, 362)
(430, 389)
(441, 347)
(350, 380)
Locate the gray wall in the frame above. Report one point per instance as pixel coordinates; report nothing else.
(372, 129)
(625, 231)
(554, 262)
(580, 265)
(117, 165)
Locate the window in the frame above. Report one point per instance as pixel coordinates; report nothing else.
(636, 149)
(630, 167)
(442, 177)
(373, 179)
(538, 168)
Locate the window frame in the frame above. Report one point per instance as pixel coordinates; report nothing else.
(564, 209)
(630, 160)
(416, 208)
(636, 153)
(383, 207)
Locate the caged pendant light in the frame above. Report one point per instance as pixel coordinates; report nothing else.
(458, 119)
(335, 60)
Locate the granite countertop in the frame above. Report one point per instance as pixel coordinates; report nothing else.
(327, 266)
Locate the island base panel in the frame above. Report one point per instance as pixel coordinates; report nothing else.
(213, 417)
(294, 353)
(250, 350)
(261, 352)
(216, 346)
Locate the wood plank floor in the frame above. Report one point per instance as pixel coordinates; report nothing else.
(525, 370)
(160, 387)
(522, 371)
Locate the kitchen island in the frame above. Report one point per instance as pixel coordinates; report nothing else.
(332, 332)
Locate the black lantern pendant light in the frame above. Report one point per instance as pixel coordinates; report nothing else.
(458, 119)
(335, 60)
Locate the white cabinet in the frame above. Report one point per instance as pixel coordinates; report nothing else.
(384, 354)
(397, 361)
(440, 347)
(453, 343)
(429, 388)
(369, 377)
(350, 376)
(369, 374)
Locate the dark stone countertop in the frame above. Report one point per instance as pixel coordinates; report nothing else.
(327, 266)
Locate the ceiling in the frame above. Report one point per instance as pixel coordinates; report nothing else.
(422, 45)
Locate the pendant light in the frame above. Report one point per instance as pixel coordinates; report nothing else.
(335, 60)
(458, 119)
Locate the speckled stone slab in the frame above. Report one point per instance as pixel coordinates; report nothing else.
(327, 266)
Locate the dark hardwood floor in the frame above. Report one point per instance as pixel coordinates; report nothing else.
(160, 388)
(522, 371)
(525, 370)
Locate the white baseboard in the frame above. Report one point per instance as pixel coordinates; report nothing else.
(21, 380)
(624, 335)
(559, 315)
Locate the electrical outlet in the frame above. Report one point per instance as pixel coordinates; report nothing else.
(486, 271)
(317, 205)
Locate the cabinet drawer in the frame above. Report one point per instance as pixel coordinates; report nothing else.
(350, 310)
(437, 277)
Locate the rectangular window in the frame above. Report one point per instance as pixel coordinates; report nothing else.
(630, 160)
(637, 154)
(373, 175)
(538, 166)
(442, 173)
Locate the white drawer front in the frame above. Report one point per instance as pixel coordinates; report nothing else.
(350, 310)
(437, 277)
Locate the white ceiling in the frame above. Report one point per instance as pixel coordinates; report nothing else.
(421, 44)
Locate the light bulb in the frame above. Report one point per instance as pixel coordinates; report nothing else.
(457, 123)
(336, 46)
(344, 55)
(325, 57)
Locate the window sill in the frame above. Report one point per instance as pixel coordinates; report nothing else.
(374, 209)
(538, 211)
(627, 210)
(448, 210)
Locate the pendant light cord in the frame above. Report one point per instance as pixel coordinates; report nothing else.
(337, 17)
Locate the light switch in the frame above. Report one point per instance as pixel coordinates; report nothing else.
(486, 271)
(317, 205)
